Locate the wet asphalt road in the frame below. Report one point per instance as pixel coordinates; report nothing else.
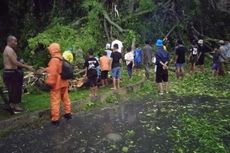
(138, 126)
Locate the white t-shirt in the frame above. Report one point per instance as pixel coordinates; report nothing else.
(228, 49)
(120, 45)
(129, 57)
(109, 52)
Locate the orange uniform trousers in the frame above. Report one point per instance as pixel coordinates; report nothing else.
(56, 96)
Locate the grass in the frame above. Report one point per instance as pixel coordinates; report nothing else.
(195, 84)
(201, 84)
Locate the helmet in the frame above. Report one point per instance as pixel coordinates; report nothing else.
(159, 43)
(200, 41)
(107, 46)
(221, 42)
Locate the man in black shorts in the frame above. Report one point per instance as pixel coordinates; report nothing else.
(12, 76)
(90, 64)
(201, 54)
(162, 59)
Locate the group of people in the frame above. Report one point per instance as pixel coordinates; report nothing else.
(12, 78)
(135, 57)
(220, 55)
(110, 61)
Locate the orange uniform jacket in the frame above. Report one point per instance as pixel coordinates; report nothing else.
(54, 70)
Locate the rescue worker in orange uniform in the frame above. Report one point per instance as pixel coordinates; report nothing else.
(59, 87)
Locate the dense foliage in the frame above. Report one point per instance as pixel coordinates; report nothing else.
(92, 23)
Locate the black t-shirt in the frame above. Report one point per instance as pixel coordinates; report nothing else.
(91, 64)
(194, 51)
(201, 51)
(116, 56)
(180, 52)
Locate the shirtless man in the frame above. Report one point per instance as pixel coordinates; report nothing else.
(11, 75)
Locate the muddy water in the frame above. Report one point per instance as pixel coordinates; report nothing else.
(137, 126)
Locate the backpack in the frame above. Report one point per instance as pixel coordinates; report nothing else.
(67, 69)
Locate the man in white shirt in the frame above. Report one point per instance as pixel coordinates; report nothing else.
(129, 58)
(119, 43)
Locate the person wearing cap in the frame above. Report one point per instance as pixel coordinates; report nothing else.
(180, 59)
(147, 57)
(59, 87)
(108, 50)
(223, 57)
(193, 56)
(227, 45)
(68, 55)
(162, 59)
(201, 54)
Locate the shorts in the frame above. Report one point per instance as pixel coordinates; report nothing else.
(193, 59)
(137, 65)
(215, 66)
(161, 75)
(116, 72)
(92, 81)
(104, 75)
(179, 65)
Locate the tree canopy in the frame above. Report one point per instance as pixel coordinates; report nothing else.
(92, 23)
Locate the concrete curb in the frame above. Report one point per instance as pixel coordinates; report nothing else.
(34, 117)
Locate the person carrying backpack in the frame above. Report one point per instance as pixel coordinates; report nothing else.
(58, 85)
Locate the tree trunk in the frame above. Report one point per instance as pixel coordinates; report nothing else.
(106, 30)
(106, 16)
